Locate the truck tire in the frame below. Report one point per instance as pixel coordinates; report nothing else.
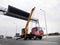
(40, 37)
(30, 38)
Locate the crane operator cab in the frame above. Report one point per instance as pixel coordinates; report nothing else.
(23, 32)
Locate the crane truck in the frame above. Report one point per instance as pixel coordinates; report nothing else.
(36, 32)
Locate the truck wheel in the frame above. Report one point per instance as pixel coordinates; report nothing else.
(29, 38)
(40, 37)
(34, 37)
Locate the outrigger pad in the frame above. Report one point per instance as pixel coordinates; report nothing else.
(17, 13)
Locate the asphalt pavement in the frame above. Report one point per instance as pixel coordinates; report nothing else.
(45, 41)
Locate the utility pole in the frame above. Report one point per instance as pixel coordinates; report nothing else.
(45, 21)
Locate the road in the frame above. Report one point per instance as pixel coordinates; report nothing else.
(45, 41)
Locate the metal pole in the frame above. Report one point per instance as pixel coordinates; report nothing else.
(16, 28)
(45, 22)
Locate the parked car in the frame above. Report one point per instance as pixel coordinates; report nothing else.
(8, 37)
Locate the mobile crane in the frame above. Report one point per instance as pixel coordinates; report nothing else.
(36, 32)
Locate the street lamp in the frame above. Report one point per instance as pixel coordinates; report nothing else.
(15, 24)
(45, 21)
(16, 27)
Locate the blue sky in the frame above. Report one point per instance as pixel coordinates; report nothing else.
(8, 25)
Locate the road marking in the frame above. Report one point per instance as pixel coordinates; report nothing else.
(41, 42)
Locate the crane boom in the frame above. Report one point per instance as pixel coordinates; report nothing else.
(29, 20)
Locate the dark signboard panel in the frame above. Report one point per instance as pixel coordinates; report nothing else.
(17, 13)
